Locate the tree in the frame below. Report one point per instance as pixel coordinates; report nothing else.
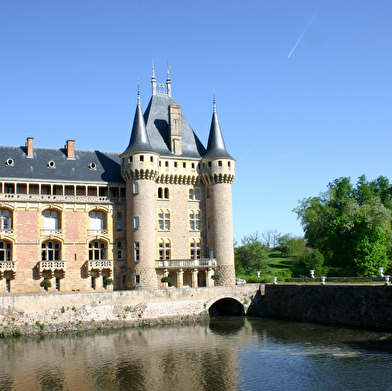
(252, 255)
(350, 226)
(270, 238)
(312, 260)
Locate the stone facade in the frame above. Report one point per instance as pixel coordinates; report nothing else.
(86, 219)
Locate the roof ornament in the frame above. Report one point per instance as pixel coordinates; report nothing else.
(153, 80)
(214, 102)
(138, 91)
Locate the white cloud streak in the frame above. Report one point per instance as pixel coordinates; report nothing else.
(303, 33)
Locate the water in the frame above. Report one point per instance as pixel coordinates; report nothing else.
(225, 354)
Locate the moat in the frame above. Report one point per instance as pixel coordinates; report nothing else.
(225, 353)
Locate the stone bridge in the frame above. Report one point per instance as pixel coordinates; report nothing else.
(148, 304)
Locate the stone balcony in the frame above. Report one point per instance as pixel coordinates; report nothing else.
(7, 266)
(98, 232)
(51, 232)
(51, 266)
(99, 265)
(6, 231)
(185, 263)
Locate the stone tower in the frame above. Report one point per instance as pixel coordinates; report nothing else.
(139, 170)
(218, 173)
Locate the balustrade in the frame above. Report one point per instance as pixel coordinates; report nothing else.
(173, 263)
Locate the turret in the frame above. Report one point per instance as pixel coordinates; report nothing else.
(218, 173)
(139, 170)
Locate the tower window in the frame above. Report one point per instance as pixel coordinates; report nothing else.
(141, 158)
(136, 251)
(184, 165)
(135, 188)
(195, 249)
(164, 249)
(163, 220)
(220, 163)
(152, 159)
(194, 220)
(136, 222)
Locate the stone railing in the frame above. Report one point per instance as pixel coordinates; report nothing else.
(171, 263)
(61, 198)
(51, 266)
(7, 265)
(6, 231)
(98, 232)
(48, 231)
(99, 265)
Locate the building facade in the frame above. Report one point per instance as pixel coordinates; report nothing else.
(91, 220)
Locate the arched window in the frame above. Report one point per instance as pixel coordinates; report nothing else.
(50, 251)
(164, 220)
(96, 222)
(195, 248)
(5, 220)
(164, 249)
(194, 220)
(51, 221)
(5, 251)
(97, 250)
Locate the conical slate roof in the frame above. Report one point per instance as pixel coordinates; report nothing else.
(216, 146)
(139, 138)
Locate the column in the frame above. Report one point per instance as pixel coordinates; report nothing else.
(209, 281)
(194, 278)
(180, 278)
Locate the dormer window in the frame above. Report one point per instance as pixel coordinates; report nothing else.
(9, 162)
(51, 164)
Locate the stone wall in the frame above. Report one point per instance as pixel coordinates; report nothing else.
(363, 306)
(82, 311)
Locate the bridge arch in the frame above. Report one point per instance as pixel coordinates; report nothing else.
(225, 305)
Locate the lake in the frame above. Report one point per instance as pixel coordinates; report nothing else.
(227, 353)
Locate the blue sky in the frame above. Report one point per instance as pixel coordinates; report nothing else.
(70, 70)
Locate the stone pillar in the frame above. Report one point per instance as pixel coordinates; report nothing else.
(209, 281)
(165, 274)
(194, 278)
(180, 278)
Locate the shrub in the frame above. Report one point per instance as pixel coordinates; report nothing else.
(166, 279)
(45, 283)
(216, 277)
(17, 333)
(108, 281)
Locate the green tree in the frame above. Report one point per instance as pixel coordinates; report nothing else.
(251, 256)
(350, 226)
(312, 260)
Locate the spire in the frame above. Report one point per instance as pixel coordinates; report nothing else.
(139, 138)
(168, 81)
(216, 146)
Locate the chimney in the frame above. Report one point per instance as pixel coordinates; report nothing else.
(29, 145)
(70, 147)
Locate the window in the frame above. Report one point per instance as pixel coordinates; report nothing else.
(228, 164)
(97, 250)
(194, 194)
(57, 284)
(175, 164)
(195, 249)
(164, 249)
(5, 251)
(93, 283)
(220, 163)
(8, 285)
(136, 251)
(5, 220)
(166, 164)
(136, 222)
(119, 221)
(130, 159)
(96, 222)
(209, 164)
(51, 222)
(135, 188)
(119, 251)
(163, 220)
(184, 165)
(141, 158)
(50, 251)
(194, 220)
(152, 159)
(193, 165)
(163, 193)
(137, 279)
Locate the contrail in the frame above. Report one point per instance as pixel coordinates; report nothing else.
(303, 32)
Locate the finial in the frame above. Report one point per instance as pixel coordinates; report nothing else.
(153, 70)
(138, 91)
(168, 71)
(214, 102)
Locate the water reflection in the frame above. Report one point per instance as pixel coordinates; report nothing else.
(226, 354)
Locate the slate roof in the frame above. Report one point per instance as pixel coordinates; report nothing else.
(156, 118)
(216, 146)
(107, 165)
